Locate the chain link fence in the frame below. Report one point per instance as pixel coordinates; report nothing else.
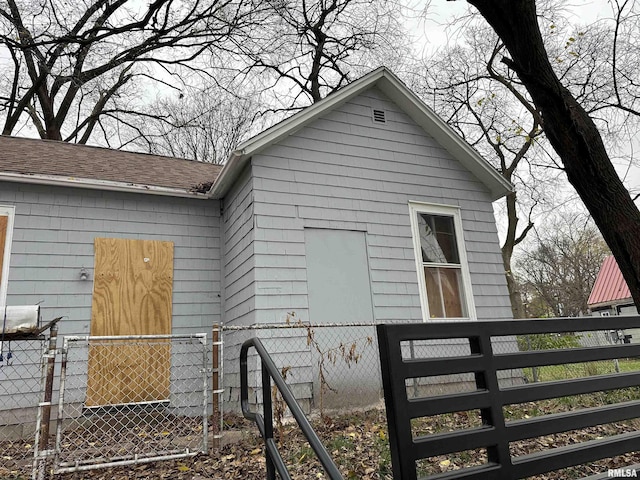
(21, 382)
(102, 401)
(324, 365)
(333, 371)
(600, 338)
(334, 368)
(126, 400)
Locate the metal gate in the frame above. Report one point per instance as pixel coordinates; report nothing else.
(115, 416)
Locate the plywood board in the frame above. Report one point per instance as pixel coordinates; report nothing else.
(132, 295)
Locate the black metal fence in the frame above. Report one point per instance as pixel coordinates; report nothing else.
(491, 421)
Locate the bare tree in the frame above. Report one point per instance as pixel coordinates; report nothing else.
(204, 125)
(559, 267)
(482, 100)
(305, 50)
(571, 131)
(73, 66)
(569, 125)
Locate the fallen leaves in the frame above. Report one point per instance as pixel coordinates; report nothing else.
(357, 442)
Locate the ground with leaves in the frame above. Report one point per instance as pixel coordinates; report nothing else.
(358, 443)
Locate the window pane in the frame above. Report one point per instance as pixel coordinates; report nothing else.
(437, 238)
(434, 295)
(444, 292)
(451, 286)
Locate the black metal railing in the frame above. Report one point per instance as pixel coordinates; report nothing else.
(265, 421)
(495, 434)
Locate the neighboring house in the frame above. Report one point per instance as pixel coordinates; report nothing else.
(610, 295)
(364, 207)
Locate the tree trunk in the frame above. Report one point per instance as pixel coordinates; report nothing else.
(572, 133)
(517, 308)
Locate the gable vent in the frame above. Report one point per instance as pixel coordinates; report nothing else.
(379, 116)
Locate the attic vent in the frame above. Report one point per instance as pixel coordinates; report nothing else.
(379, 116)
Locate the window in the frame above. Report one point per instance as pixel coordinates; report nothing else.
(6, 230)
(443, 274)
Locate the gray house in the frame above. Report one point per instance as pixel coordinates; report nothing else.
(365, 207)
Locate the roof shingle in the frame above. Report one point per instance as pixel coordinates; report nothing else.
(51, 158)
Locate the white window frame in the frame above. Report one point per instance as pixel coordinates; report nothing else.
(450, 211)
(10, 212)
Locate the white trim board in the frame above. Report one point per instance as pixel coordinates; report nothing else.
(10, 212)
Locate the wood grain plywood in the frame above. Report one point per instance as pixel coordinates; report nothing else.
(132, 295)
(4, 222)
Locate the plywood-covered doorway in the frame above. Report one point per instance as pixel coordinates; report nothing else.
(132, 295)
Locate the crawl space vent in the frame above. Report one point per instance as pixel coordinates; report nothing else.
(379, 116)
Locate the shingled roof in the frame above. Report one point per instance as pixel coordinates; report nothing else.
(51, 162)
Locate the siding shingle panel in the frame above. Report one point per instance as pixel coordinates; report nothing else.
(53, 238)
(343, 171)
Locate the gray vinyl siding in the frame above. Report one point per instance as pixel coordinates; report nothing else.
(238, 258)
(239, 285)
(345, 172)
(53, 239)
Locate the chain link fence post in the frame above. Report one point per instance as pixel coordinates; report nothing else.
(44, 408)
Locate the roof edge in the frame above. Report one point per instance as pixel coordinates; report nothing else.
(238, 159)
(612, 303)
(92, 184)
(398, 92)
(445, 135)
(228, 175)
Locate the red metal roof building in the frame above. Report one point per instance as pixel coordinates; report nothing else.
(609, 290)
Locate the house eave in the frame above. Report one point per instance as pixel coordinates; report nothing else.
(93, 184)
(235, 164)
(611, 303)
(391, 86)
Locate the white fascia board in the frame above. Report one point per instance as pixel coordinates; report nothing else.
(232, 168)
(445, 135)
(92, 184)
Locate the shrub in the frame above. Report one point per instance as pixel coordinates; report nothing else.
(548, 341)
